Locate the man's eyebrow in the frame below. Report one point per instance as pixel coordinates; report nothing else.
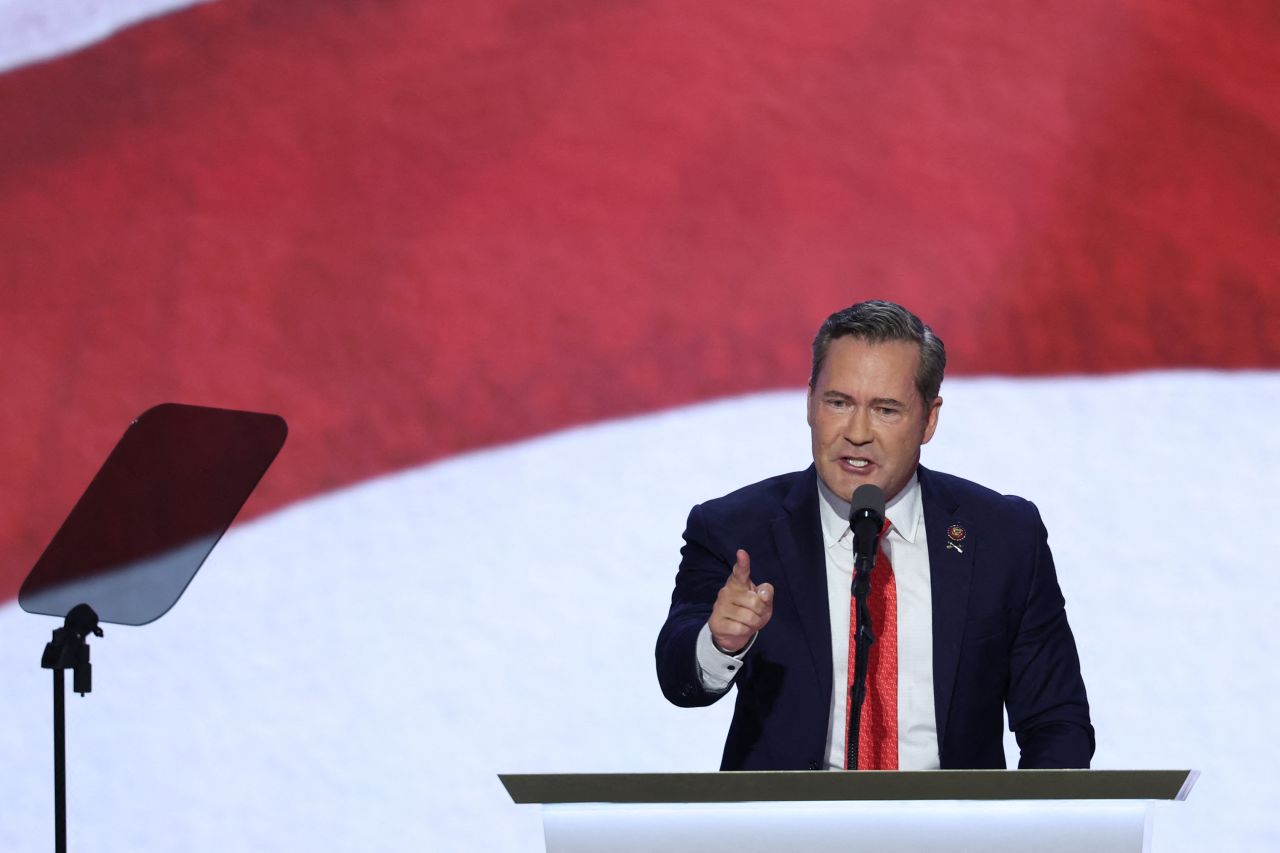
(878, 401)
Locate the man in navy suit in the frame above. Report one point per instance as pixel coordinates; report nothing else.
(762, 594)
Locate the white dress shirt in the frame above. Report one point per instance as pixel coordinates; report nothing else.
(905, 546)
(908, 552)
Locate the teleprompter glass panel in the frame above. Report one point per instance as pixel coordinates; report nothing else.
(153, 512)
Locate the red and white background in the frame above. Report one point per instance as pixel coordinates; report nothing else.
(529, 279)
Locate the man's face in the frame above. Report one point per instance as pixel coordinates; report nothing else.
(866, 418)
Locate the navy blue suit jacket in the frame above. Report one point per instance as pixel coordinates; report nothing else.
(1000, 633)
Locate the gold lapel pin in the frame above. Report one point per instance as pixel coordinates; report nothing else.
(955, 535)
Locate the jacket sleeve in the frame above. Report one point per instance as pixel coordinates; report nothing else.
(703, 571)
(1047, 705)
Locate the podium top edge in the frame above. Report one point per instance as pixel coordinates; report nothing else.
(818, 786)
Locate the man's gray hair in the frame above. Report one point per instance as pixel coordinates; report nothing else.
(878, 321)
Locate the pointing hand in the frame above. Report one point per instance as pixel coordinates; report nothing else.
(742, 608)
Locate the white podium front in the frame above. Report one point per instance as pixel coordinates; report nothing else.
(946, 810)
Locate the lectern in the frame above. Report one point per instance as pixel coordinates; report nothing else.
(1101, 811)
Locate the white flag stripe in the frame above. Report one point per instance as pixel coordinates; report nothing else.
(352, 672)
(35, 30)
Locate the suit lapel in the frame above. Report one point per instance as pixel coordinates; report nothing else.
(950, 574)
(797, 534)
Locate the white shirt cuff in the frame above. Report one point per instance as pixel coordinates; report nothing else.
(716, 670)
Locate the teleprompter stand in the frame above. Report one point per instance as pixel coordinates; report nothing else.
(67, 650)
(138, 535)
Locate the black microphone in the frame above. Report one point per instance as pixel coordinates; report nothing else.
(866, 517)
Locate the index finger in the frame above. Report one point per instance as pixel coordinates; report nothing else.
(742, 570)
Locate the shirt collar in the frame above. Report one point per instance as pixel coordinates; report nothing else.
(904, 513)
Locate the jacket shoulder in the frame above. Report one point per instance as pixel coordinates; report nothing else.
(975, 497)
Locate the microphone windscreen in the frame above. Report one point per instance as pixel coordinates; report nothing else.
(868, 496)
(866, 518)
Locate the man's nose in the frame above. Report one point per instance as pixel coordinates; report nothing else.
(857, 429)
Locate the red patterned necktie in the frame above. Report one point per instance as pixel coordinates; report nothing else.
(878, 733)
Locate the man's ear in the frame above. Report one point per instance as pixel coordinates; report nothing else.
(931, 419)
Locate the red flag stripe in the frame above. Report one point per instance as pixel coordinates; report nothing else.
(414, 229)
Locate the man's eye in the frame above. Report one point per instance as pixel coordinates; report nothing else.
(838, 404)
(886, 411)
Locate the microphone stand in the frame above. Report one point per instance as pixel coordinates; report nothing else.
(863, 639)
